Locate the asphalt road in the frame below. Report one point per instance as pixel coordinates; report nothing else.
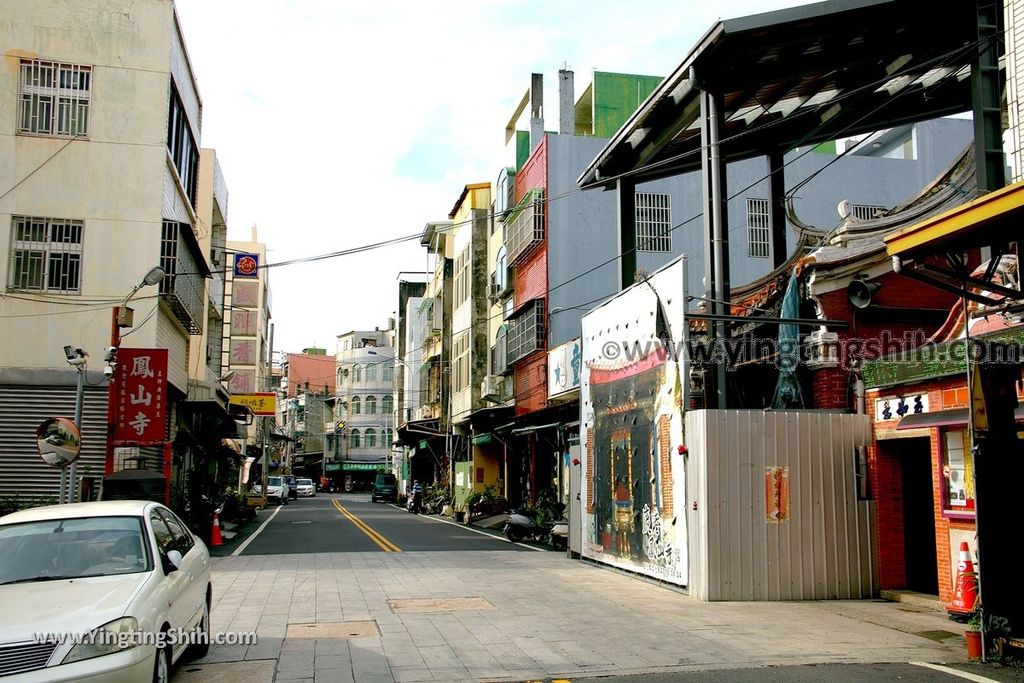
(848, 673)
(333, 523)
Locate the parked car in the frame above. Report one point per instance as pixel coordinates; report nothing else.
(122, 572)
(305, 488)
(385, 487)
(293, 487)
(277, 489)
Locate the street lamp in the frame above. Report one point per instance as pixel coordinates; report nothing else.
(121, 317)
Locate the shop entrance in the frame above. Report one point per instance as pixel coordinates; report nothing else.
(919, 516)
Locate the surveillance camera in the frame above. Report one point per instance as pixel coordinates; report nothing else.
(110, 354)
(108, 371)
(75, 356)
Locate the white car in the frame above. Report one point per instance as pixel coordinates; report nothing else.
(100, 592)
(304, 488)
(277, 489)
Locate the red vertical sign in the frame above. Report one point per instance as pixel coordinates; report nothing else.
(141, 395)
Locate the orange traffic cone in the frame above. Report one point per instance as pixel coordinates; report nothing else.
(965, 594)
(215, 537)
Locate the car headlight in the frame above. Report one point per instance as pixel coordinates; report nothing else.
(116, 636)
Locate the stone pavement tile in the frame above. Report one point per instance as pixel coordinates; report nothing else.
(298, 645)
(331, 646)
(251, 672)
(411, 674)
(332, 662)
(226, 653)
(295, 665)
(266, 648)
(333, 676)
(439, 656)
(392, 627)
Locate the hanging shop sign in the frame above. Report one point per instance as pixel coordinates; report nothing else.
(141, 390)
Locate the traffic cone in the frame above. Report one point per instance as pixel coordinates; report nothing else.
(215, 537)
(965, 593)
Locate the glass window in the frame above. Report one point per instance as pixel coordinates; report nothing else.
(371, 372)
(371, 405)
(357, 373)
(357, 405)
(385, 405)
(46, 255)
(957, 472)
(341, 374)
(353, 439)
(389, 373)
(164, 537)
(54, 98)
(182, 538)
(371, 437)
(389, 437)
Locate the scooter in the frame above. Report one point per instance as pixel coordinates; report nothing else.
(522, 525)
(414, 503)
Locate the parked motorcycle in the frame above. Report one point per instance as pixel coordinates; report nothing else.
(530, 525)
(414, 503)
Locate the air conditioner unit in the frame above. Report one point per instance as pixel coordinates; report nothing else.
(489, 388)
(493, 289)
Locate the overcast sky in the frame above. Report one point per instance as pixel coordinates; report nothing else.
(339, 123)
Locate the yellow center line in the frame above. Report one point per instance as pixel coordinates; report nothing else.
(375, 536)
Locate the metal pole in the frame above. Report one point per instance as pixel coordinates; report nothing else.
(72, 492)
(974, 469)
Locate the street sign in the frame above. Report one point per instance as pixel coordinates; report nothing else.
(247, 265)
(262, 404)
(141, 390)
(59, 442)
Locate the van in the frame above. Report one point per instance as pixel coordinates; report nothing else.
(385, 487)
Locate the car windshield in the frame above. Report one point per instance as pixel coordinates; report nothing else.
(273, 481)
(305, 482)
(72, 548)
(385, 480)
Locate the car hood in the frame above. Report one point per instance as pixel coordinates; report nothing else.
(69, 606)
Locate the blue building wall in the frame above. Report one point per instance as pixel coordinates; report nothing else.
(582, 231)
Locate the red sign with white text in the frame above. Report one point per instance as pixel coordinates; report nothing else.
(141, 395)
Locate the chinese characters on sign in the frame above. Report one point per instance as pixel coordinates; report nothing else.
(141, 395)
(776, 490)
(262, 404)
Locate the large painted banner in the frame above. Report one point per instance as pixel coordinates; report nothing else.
(633, 487)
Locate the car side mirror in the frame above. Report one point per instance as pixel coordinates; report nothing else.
(173, 560)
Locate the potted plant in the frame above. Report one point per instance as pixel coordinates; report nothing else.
(972, 636)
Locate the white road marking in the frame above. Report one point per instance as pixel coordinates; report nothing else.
(246, 542)
(955, 672)
(475, 531)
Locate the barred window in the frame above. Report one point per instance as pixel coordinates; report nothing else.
(54, 98)
(526, 331)
(758, 228)
(653, 222)
(46, 255)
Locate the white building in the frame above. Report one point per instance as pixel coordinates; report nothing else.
(365, 365)
(102, 116)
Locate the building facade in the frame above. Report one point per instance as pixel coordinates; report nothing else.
(73, 248)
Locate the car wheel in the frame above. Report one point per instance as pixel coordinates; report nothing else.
(162, 667)
(201, 647)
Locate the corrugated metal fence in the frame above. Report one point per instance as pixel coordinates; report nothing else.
(822, 547)
(22, 408)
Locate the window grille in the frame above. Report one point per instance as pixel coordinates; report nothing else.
(653, 222)
(54, 98)
(526, 331)
(524, 229)
(758, 228)
(865, 212)
(46, 255)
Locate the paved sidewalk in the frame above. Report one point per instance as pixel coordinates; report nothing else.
(363, 617)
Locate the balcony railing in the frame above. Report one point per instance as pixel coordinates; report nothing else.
(183, 288)
(524, 229)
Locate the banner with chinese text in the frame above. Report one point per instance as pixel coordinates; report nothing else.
(141, 387)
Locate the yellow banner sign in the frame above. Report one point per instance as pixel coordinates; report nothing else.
(263, 404)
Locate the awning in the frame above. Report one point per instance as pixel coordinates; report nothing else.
(535, 428)
(483, 439)
(943, 418)
(990, 219)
